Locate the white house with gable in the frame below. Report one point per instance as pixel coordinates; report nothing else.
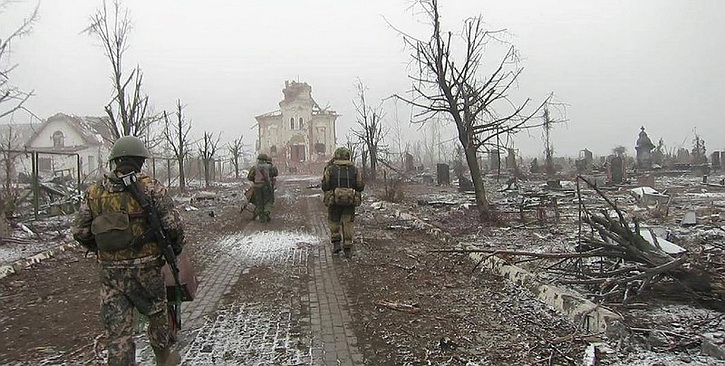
(64, 141)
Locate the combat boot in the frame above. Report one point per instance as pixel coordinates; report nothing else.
(336, 248)
(166, 356)
(347, 252)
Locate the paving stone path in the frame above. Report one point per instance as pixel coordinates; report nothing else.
(309, 327)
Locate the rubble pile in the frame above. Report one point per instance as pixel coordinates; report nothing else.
(634, 247)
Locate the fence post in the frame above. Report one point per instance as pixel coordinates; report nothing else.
(34, 163)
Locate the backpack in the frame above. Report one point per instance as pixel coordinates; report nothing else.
(261, 173)
(344, 195)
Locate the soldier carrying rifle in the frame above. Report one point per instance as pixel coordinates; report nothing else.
(114, 221)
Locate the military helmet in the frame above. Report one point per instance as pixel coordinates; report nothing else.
(342, 153)
(129, 146)
(264, 157)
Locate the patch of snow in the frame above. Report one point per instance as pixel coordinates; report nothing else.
(269, 246)
(304, 178)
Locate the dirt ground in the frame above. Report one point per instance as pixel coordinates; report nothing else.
(409, 306)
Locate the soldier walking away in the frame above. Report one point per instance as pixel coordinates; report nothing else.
(113, 224)
(264, 175)
(342, 187)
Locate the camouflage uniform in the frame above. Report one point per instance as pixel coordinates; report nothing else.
(264, 175)
(340, 218)
(130, 278)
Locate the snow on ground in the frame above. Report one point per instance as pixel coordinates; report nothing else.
(269, 247)
(304, 178)
(33, 237)
(12, 252)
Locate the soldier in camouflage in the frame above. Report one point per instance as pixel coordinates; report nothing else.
(112, 224)
(264, 175)
(340, 172)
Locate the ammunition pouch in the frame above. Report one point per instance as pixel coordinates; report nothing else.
(345, 197)
(112, 231)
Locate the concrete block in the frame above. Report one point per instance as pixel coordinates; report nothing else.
(590, 316)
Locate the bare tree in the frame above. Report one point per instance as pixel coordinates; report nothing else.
(548, 147)
(548, 125)
(699, 155)
(9, 190)
(235, 150)
(398, 136)
(176, 134)
(12, 98)
(207, 150)
(127, 110)
(479, 105)
(371, 131)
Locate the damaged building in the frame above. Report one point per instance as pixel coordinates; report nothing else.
(64, 142)
(299, 132)
(63, 145)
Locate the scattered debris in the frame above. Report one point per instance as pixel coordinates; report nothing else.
(407, 308)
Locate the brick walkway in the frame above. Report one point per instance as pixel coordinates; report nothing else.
(334, 341)
(310, 327)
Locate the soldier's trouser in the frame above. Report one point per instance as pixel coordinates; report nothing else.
(340, 221)
(263, 200)
(123, 289)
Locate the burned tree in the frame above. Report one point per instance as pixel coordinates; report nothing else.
(371, 131)
(12, 98)
(176, 135)
(479, 105)
(207, 150)
(127, 110)
(235, 150)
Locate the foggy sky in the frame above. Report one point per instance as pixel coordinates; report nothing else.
(618, 65)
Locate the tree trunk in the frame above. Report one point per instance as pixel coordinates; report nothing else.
(484, 209)
(4, 225)
(182, 178)
(373, 163)
(206, 173)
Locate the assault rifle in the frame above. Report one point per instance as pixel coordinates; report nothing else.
(130, 181)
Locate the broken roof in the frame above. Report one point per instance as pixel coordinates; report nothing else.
(93, 130)
(295, 90)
